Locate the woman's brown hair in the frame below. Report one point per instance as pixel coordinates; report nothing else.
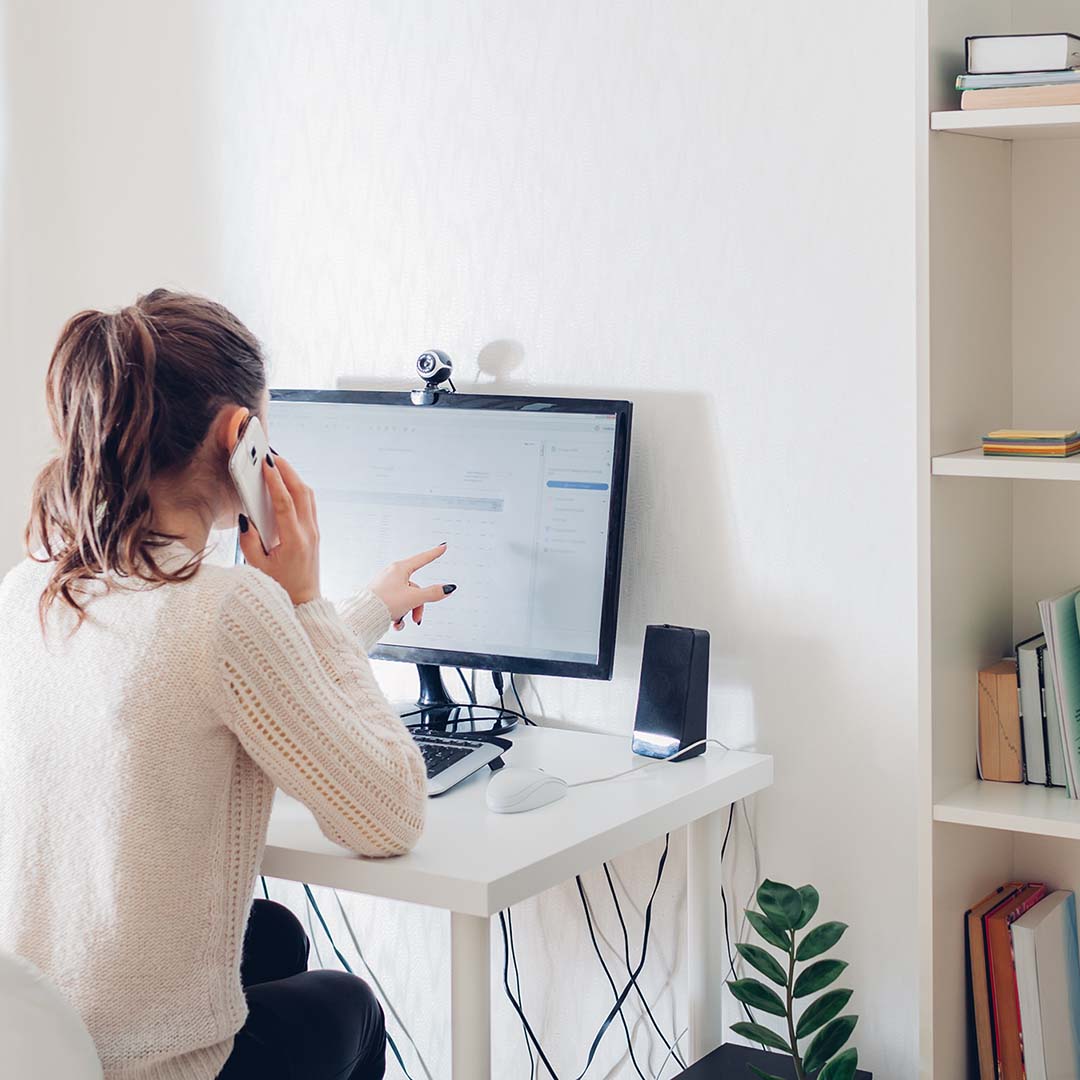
(131, 396)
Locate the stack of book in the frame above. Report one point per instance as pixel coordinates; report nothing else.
(1023, 442)
(1024, 977)
(1061, 669)
(1011, 70)
(1020, 737)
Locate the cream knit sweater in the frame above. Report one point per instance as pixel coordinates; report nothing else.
(138, 760)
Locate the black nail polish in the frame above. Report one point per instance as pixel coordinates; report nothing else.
(274, 452)
(269, 461)
(243, 523)
(448, 589)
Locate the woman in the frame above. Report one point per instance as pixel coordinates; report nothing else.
(150, 702)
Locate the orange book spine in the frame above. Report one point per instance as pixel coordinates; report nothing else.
(1003, 988)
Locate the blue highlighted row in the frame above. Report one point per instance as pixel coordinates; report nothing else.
(577, 485)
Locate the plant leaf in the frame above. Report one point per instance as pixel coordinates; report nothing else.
(821, 1011)
(817, 976)
(758, 996)
(827, 1041)
(809, 897)
(763, 1075)
(764, 962)
(760, 1034)
(781, 903)
(842, 1067)
(820, 939)
(772, 934)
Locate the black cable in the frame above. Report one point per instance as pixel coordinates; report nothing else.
(521, 707)
(619, 999)
(516, 1004)
(517, 983)
(641, 963)
(471, 696)
(723, 901)
(499, 730)
(607, 973)
(348, 967)
(266, 891)
(673, 1050)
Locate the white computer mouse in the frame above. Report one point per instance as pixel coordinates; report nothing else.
(513, 791)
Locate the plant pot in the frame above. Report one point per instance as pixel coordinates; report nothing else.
(728, 1062)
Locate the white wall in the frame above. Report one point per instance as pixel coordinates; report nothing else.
(636, 199)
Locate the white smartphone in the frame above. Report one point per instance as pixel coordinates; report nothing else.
(246, 470)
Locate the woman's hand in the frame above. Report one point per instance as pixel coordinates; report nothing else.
(401, 596)
(294, 563)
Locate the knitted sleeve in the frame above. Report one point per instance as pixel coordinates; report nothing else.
(300, 695)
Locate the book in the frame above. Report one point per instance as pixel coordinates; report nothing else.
(1020, 78)
(1047, 961)
(1014, 442)
(1055, 751)
(1020, 97)
(1001, 53)
(981, 1012)
(1032, 720)
(1000, 740)
(1004, 993)
(1059, 623)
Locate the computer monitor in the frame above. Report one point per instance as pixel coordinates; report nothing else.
(528, 492)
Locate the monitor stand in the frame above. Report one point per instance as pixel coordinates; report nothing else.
(438, 710)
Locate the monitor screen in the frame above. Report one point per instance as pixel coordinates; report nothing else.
(528, 493)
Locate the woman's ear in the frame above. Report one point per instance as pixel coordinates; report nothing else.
(230, 419)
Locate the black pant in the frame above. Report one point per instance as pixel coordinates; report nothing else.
(301, 1025)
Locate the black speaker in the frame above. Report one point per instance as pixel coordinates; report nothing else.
(673, 698)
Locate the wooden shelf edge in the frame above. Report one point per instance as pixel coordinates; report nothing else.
(1020, 808)
(1032, 122)
(971, 462)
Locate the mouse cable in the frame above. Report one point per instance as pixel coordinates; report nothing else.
(348, 967)
(378, 985)
(607, 972)
(517, 985)
(648, 764)
(629, 967)
(521, 707)
(517, 1004)
(266, 891)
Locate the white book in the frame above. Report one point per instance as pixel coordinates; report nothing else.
(1004, 53)
(1047, 957)
(1059, 622)
(1031, 709)
(1059, 776)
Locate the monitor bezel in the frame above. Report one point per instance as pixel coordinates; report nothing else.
(620, 469)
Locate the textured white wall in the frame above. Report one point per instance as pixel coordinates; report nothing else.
(637, 199)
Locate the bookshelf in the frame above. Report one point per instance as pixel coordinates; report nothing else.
(972, 463)
(998, 346)
(1056, 122)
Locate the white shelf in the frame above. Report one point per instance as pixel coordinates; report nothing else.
(1023, 808)
(973, 463)
(1043, 122)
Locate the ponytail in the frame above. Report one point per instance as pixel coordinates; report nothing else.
(131, 395)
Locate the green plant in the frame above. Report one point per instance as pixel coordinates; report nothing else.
(784, 913)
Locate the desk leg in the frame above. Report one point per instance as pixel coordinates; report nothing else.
(704, 936)
(470, 996)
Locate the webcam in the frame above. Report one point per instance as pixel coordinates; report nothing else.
(434, 367)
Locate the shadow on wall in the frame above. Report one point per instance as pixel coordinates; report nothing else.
(105, 194)
(681, 562)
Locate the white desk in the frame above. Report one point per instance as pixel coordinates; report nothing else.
(474, 863)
